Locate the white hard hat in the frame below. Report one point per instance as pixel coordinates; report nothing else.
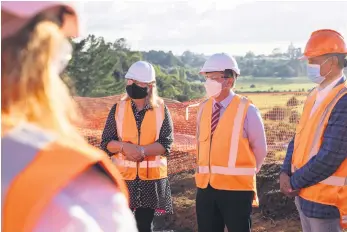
(16, 14)
(220, 62)
(141, 71)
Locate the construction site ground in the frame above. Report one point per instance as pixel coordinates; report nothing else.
(280, 111)
(276, 213)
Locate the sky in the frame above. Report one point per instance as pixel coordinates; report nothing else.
(206, 26)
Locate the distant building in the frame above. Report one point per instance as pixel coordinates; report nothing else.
(293, 52)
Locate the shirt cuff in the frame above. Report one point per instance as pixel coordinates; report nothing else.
(292, 183)
(286, 170)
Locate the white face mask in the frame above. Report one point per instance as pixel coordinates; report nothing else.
(62, 58)
(313, 72)
(213, 88)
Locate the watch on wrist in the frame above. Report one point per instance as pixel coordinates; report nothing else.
(142, 150)
(121, 148)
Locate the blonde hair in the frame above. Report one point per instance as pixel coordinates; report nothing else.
(31, 91)
(153, 98)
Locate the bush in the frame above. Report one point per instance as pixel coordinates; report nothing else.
(252, 86)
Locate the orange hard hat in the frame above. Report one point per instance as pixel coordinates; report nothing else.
(325, 41)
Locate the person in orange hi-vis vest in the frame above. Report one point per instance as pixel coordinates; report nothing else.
(315, 166)
(231, 147)
(138, 135)
(51, 179)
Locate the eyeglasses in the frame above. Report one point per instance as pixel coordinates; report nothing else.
(220, 75)
(141, 84)
(214, 76)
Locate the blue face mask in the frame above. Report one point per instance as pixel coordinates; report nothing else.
(313, 72)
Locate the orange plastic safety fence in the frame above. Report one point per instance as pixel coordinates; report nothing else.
(280, 113)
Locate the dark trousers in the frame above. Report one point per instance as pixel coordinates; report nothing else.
(144, 218)
(217, 208)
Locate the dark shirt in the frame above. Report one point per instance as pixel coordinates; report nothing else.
(155, 194)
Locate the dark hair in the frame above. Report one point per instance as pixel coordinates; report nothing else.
(229, 73)
(342, 60)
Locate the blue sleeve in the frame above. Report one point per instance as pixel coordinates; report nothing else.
(287, 163)
(331, 153)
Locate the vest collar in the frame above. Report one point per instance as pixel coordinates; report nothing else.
(227, 100)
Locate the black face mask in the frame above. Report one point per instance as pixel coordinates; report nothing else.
(136, 92)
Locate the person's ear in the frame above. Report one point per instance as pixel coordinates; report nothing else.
(230, 82)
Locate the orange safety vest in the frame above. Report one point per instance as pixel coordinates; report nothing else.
(226, 160)
(308, 140)
(152, 167)
(34, 174)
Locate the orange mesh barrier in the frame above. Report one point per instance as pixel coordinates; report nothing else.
(280, 113)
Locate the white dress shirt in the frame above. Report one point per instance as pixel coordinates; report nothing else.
(322, 93)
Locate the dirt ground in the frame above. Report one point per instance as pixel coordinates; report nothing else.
(276, 213)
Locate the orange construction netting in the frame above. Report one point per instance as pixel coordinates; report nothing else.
(280, 113)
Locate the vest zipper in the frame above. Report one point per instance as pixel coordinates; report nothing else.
(138, 142)
(209, 159)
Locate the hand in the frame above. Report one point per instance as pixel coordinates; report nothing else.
(285, 186)
(132, 152)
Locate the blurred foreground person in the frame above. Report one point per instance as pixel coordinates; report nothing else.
(315, 166)
(52, 180)
(138, 136)
(231, 150)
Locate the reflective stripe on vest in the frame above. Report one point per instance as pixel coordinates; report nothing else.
(158, 162)
(151, 164)
(120, 117)
(19, 148)
(332, 180)
(36, 167)
(234, 142)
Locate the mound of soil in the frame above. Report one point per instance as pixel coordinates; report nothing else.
(293, 102)
(294, 117)
(274, 214)
(273, 203)
(277, 113)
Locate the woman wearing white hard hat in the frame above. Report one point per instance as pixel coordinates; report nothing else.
(138, 135)
(52, 180)
(231, 150)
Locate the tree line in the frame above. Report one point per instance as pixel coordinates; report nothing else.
(97, 68)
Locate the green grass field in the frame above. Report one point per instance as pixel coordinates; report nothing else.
(273, 84)
(266, 102)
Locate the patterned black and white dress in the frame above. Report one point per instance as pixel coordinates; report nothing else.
(154, 194)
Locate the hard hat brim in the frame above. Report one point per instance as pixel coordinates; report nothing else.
(206, 70)
(21, 12)
(303, 58)
(128, 77)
